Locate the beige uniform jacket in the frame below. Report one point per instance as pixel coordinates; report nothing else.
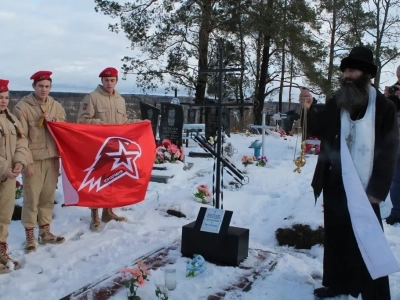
(29, 112)
(99, 107)
(13, 149)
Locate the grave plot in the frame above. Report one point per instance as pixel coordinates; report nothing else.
(239, 280)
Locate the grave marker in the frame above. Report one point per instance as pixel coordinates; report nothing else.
(229, 245)
(150, 112)
(171, 124)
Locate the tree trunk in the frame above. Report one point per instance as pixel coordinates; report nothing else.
(291, 80)
(283, 64)
(242, 62)
(282, 77)
(331, 51)
(204, 35)
(379, 36)
(264, 67)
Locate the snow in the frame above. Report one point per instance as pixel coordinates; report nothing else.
(275, 197)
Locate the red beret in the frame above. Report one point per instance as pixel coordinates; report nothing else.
(109, 72)
(3, 85)
(41, 75)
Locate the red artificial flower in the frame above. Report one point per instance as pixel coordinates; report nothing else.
(166, 143)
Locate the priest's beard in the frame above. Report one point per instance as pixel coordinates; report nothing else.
(353, 93)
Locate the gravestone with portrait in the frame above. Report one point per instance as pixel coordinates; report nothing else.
(171, 124)
(150, 112)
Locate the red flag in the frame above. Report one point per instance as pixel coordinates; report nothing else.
(104, 166)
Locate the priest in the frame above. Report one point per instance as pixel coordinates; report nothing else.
(359, 143)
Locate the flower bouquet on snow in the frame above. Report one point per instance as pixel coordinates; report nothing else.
(136, 278)
(168, 152)
(248, 133)
(261, 161)
(195, 266)
(247, 160)
(203, 194)
(310, 148)
(18, 189)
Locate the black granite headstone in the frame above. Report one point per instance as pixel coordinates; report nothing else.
(191, 117)
(291, 117)
(211, 121)
(226, 121)
(150, 112)
(212, 237)
(171, 124)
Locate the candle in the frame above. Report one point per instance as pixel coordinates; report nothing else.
(170, 279)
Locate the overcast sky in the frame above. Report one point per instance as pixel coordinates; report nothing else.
(66, 37)
(70, 39)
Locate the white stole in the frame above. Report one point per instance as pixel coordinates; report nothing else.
(362, 139)
(375, 251)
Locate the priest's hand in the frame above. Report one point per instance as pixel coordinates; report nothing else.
(374, 200)
(305, 98)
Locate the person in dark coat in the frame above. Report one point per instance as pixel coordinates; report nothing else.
(356, 104)
(393, 94)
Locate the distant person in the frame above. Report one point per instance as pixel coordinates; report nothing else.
(41, 177)
(14, 157)
(393, 94)
(359, 144)
(104, 106)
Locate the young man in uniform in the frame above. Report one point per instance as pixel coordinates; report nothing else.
(104, 106)
(40, 178)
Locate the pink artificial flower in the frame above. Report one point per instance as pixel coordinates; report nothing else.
(173, 148)
(159, 149)
(177, 154)
(202, 187)
(141, 281)
(166, 143)
(143, 268)
(135, 272)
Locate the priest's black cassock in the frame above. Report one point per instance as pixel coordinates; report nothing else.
(344, 268)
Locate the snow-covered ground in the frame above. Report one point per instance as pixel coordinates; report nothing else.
(274, 197)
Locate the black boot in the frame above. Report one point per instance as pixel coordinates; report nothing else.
(327, 292)
(391, 220)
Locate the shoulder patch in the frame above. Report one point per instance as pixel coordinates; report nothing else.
(84, 107)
